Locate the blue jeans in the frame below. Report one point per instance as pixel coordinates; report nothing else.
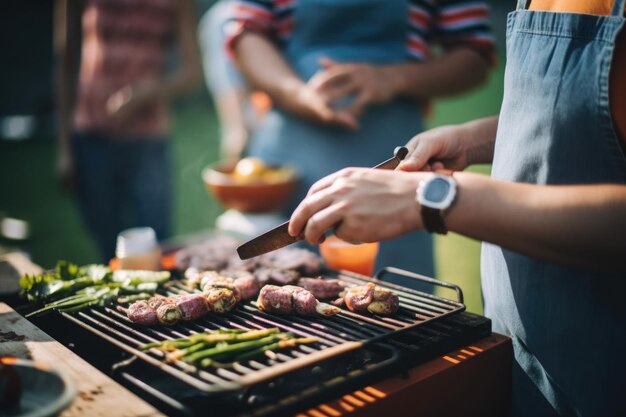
(121, 184)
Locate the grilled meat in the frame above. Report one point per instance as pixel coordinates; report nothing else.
(359, 297)
(247, 285)
(168, 314)
(373, 299)
(192, 306)
(211, 254)
(157, 301)
(322, 288)
(276, 276)
(287, 300)
(297, 259)
(222, 299)
(385, 302)
(275, 299)
(304, 302)
(140, 312)
(242, 283)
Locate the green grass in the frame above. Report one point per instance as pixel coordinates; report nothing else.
(28, 189)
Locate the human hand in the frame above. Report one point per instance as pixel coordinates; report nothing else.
(362, 204)
(126, 101)
(441, 147)
(367, 83)
(309, 103)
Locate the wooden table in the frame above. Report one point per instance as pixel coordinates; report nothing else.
(98, 395)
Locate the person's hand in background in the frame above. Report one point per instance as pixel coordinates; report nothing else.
(308, 102)
(365, 82)
(127, 101)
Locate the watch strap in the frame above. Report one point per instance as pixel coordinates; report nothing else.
(433, 220)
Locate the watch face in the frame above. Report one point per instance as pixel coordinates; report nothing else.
(437, 190)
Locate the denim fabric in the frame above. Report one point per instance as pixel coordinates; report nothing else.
(121, 184)
(555, 128)
(371, 31)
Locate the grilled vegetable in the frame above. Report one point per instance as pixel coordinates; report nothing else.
(219, 347)
(71, 288)
(168, 314)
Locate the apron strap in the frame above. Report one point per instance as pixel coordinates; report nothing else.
(618, 8)
(521, 4)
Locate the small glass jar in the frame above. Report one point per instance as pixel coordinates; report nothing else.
(137, 248)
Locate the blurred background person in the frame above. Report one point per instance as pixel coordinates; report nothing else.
(239, 109)
(350, 79)
(114, 123)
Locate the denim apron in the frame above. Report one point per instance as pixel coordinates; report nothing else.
(369, 31)
(568, 326)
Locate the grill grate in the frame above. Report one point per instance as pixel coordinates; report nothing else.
(336, 335)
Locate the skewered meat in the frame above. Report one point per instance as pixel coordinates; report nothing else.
(157, 301)
(287, 300)
(304, 302)
(192, 306)
(247, 284)
(385, 302)
(221, 299)
(373, 299)
(275, 299)
(322, 288)
(141, 313)
(168, 314)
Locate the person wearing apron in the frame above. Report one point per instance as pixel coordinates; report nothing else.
(345, 31)
(555, 128)
(554, 210)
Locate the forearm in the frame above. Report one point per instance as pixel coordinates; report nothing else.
(265, 68)
(230, 111)
(581, 226)
(455, 72)
(480, 138)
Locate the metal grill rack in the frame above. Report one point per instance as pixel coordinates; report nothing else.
(336, 335)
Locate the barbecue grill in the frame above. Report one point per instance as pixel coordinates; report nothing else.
(353, 350)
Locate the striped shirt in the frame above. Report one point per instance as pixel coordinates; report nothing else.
(124, 42)
(448, 23)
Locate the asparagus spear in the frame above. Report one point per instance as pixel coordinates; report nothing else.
(230, 348)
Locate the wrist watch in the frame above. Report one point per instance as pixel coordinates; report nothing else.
(435, 194)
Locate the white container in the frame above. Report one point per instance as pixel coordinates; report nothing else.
(137, 248)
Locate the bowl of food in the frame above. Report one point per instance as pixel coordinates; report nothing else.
(250, 185)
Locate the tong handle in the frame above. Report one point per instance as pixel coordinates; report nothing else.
(404, 273)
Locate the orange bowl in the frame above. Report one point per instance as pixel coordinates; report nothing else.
(256, 196)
